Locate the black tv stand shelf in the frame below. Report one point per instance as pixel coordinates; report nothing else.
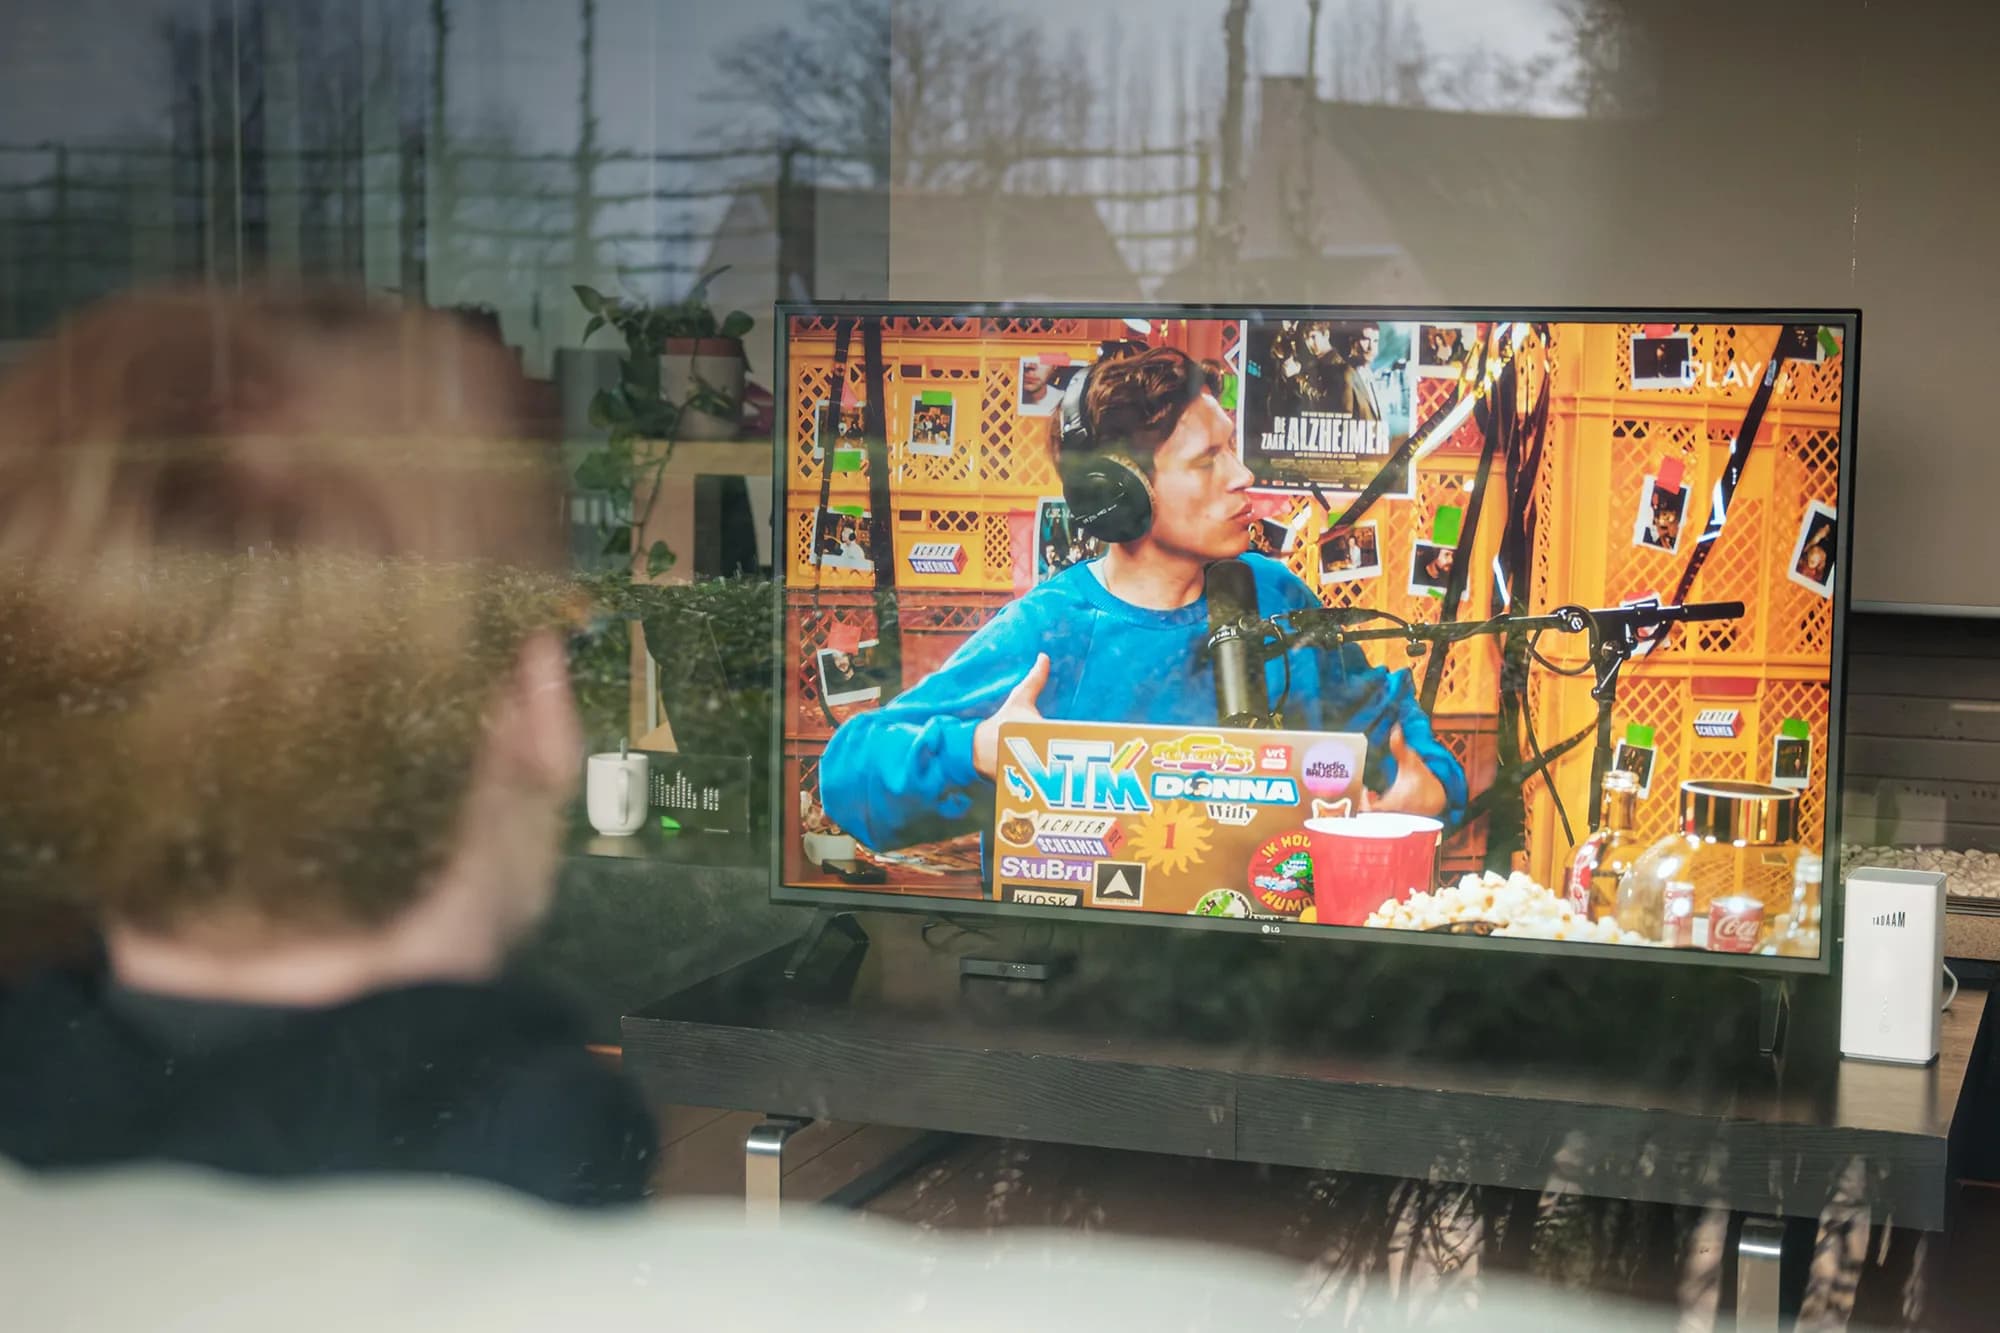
(1138, 1048)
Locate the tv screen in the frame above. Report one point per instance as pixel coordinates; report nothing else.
(1504, 628)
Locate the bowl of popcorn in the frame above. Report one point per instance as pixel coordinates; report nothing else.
(1513, 907)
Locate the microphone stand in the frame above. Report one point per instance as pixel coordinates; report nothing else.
(1615, 638)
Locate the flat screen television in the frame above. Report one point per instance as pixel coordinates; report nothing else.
(1510, 629)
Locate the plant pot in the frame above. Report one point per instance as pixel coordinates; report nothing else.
(718, 362)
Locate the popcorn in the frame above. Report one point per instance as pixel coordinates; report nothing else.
(1516, 906)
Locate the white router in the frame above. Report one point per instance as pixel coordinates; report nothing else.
(1891, 979)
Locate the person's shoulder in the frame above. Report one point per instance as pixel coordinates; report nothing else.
(1059, 597)
(531, 1106)
(566, 1127)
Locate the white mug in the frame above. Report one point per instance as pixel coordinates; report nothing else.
(615, 792)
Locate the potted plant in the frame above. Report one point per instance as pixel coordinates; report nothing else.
(681, 378)
(684, 359)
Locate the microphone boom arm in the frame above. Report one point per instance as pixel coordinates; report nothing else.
(1616, 634)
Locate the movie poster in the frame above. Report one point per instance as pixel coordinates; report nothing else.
(1327, 403)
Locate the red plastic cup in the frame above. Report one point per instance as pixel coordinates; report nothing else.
(1362, 862)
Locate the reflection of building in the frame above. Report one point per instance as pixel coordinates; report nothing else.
(1368, 203)
(834, 243)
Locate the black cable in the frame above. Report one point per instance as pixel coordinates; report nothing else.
(1544, 662)
(959, 927)
(1284, 693)
(1535, 748)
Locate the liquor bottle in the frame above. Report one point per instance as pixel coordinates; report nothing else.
(1737, 847)
(1605, 856)
(1798, 930)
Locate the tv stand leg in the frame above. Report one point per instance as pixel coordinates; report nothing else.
(1760, 1252)
(764, 1165)
(826, 918)
(1774, 1004)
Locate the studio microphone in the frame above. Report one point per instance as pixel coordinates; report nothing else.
(1240, 697)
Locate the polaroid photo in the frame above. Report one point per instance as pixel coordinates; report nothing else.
(1350, 554)
(1812, 554)
(848, 678)
(1430, 568)
(1791, 761)
(1801, 342)
(1057, 545)
(1666, 362)
(1041, 389)
(1638, 761)
(846, 434)
(1281, 536)
(840, 541)
(1444, 349)
(1657, 525)
(933, 426)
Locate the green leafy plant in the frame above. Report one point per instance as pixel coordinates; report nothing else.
(736, 611)
(640, 424)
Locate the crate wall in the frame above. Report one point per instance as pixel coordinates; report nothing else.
(1667, 698)
(998, 453)
(982, 526)
(1606, 437)
(1471, 678)
(933, 627)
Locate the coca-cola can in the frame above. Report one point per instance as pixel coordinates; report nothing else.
(1734, 924)
(1678, 915)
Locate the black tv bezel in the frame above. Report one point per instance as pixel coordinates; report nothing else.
(1848, 320)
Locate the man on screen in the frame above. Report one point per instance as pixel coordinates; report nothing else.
(1353, 380)
(1123, 637)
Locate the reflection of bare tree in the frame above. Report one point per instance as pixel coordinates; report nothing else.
(275, 108)
(1375, 53)
(927, 94)
(1607, 75)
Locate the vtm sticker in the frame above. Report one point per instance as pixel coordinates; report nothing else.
(1089, 776)
(1122, 882)
(1281, 874)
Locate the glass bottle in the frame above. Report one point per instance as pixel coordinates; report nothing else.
(1798, 935)
(1606, 855)
(1736, 840)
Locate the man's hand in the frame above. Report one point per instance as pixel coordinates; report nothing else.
(1019, 706)
(1416, 790)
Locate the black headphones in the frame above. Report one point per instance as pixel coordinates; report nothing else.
(1109, 495)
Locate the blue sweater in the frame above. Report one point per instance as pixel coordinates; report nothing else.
(902, 773)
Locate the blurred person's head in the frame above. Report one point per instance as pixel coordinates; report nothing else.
(284, 700)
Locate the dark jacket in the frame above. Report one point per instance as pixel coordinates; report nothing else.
(489, 1082)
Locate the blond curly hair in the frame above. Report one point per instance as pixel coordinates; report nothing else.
(265, 558)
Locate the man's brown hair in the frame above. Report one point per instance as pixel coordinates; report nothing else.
(265, 559)
(1134, 399)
